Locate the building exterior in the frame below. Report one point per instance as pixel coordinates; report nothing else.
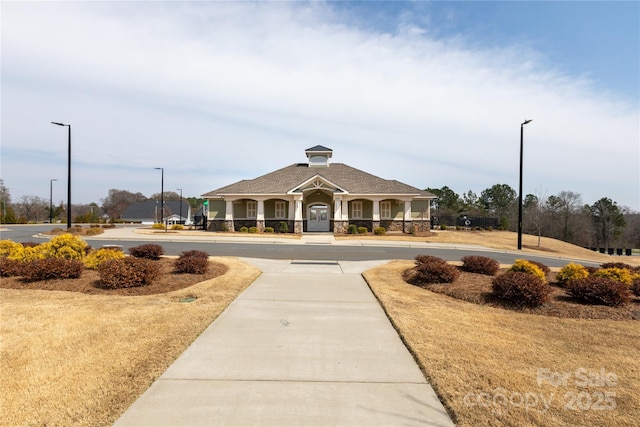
(148, 212)
(318, 196)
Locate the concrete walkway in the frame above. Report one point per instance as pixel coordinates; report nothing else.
(307, 344)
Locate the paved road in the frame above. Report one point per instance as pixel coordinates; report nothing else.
(267, 249)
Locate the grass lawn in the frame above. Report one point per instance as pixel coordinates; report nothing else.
(492, 366)
(83, 355)
(72, 358)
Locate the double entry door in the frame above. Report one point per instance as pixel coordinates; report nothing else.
(318, 218)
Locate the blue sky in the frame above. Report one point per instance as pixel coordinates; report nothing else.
(428, 93)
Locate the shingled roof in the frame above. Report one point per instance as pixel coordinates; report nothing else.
(347, 178)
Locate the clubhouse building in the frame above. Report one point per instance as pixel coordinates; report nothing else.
(318, 196)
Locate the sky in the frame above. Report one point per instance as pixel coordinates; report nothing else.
(429, 93)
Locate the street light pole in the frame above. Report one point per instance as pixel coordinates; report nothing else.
(520, 187)
(68, 175)
(180, 189)
(51, 199)
(161, 194)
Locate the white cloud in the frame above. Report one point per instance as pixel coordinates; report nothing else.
(217, 92)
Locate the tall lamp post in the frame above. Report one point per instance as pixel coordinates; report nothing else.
(51, 199)
(161, 194)
(180, 190)
(520, 187)
(68, 175)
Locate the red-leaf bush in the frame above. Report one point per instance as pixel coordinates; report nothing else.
(430, 269)
(52, 268)
(520, 288)
(147, 251)
(599, 290)
(480, 265)
(192, 262)
(616, 265)
(635, 287)
(10, 267)
(128, 272)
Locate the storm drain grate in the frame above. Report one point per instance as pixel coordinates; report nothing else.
(314, 262)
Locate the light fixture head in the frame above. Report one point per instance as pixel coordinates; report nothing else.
(526, 121)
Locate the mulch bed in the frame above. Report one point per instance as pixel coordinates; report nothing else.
(476, 288)
(89, 282)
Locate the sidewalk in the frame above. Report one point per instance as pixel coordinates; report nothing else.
(307, 344)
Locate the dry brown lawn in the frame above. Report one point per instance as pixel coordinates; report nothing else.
(492, 366)
(73, 354)
(81, 359)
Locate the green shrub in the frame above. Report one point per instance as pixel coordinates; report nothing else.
(520, 288)
(480, 265)
(150, 251)
(599, 290)
(253, 230)
(177, 227)
(95, 258)
(192, 262)
(379, 231)
(66, 246)
(244, 230)
(269, 230)
(283, 227)
(127, 273)
(571, 271)
(443, 227)
(353, 229)
(363, 230)
(621, 275)
(157, 226)
(52, 268)
(528, 267)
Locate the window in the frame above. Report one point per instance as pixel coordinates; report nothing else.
(281, 209)
(356, 209)
(251, 209)
(385, 209)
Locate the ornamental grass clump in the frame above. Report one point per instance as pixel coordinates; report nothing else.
(127, 272)
(521, 289)
(480, 265)
(599, 290)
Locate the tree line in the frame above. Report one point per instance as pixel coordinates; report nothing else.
(34, 209)
(564, 216)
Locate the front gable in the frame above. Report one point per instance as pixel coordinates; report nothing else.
(317, 182)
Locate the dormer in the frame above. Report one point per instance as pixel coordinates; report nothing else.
(318, 156)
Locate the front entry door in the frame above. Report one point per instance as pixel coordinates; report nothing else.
(318, 218)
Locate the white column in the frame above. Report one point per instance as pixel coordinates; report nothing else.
(345, 210)
(228, 211)
(376, 210)
(407, 210)
(260, 211)
(298, 209)
(292, 209)
(337, 209)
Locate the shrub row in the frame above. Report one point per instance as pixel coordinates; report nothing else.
(521, 288)
(599, 290)
(52, 268)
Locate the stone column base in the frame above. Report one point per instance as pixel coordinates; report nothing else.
(260, 225)
(340, 227)
(408, 226)
(298, 227)
(229, 226)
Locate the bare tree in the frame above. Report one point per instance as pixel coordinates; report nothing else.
(118, 200)
(32, 208)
